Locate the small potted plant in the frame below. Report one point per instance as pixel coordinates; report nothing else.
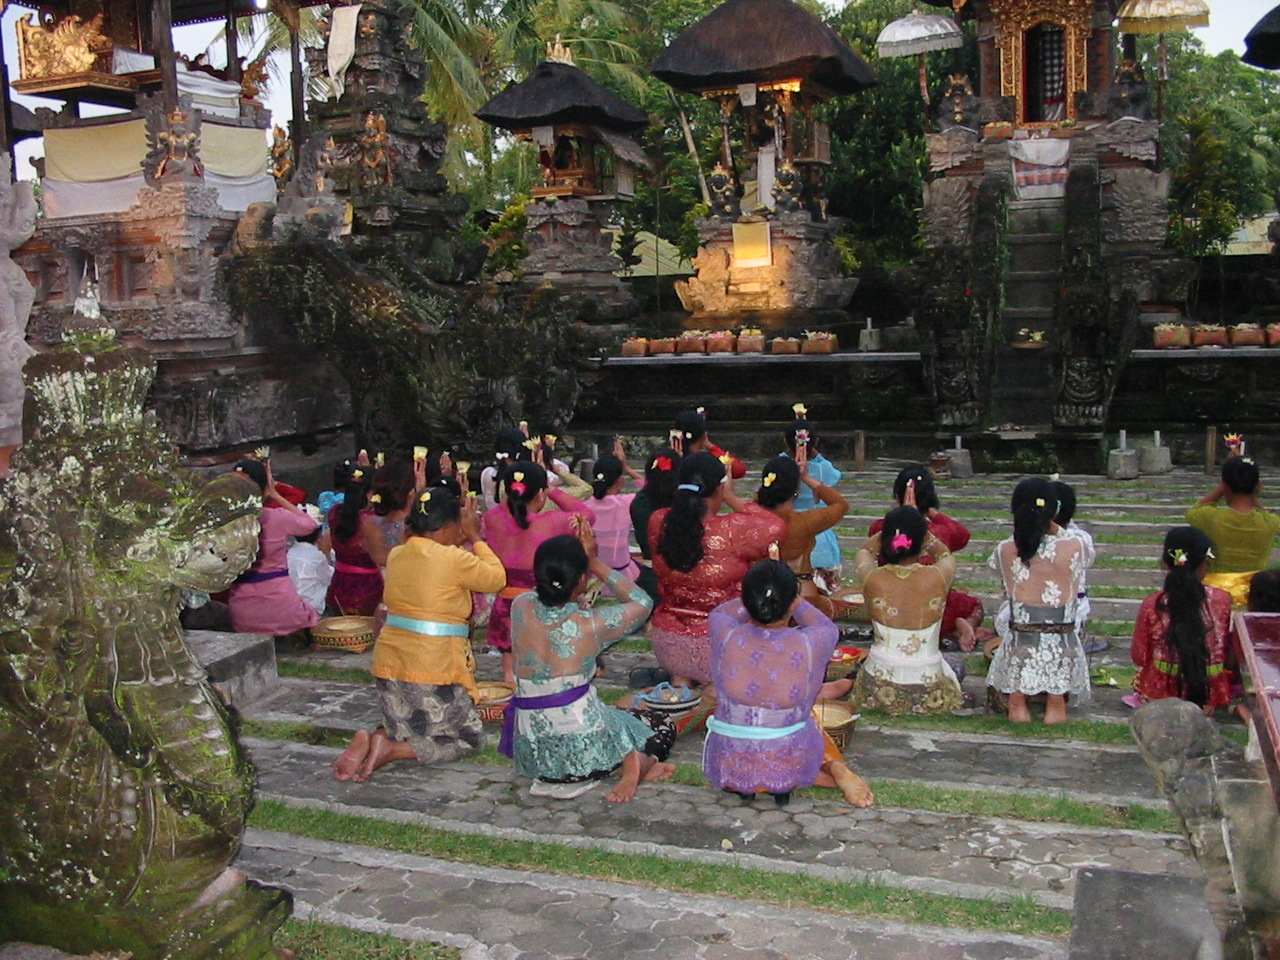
(750, 340)
(819, 341)
(692, 341)
(635, 347)
(784, 345)
(721, 341)
(1168, 336)
(1209, 335)
(1248, 335)
(662, 345)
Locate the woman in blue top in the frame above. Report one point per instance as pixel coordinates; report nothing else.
(803, 442)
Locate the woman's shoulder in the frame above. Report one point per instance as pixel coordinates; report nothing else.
(1217, 598)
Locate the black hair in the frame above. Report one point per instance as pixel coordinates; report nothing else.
(558, 565)
(1034, 505)
(779, 482)
(354, 499)
(1264, 591)
(444, 482)
(433, 510)
(532, 480)
(902, 521)
(789, 435)
(1066, 495)
(692, 426)
(392, 484)
(508, 447)
(661, 474)
(604, 475)
(680, 540)
(1240, 474)
(311, 537)
(768, 590)
(1185, 550)
(254, 471)
(342, 471)
(926, 492)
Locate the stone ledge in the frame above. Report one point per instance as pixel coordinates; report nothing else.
(241, 665)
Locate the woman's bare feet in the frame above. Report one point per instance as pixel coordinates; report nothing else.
(381, 752)
(1019, 712)
(857, 792)
(1055, 709)
(348, 763)
(637, 767)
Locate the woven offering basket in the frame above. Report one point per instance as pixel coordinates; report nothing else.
(494, 696)
(784, 346)
(1248, 337)
(840, 669)
(722, 344)
(838, 719)
(750, 344)
(635, 348)
(819, 345)
(661, 346)
(352, 634)
(691, 345)
(1171, 338)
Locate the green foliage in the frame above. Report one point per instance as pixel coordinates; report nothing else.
(505, 239)
(687, 240)
(1209, 184)
(849, 260)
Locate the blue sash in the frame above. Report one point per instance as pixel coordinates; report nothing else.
(739, 732)
(428, 627)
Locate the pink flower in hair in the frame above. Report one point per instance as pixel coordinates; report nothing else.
(900, 541)
(518, 488)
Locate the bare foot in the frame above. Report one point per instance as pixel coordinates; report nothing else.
(1019, 712)
(634, 766)
(381, 752)
(856, 790)
(660, 771)
(1055, 710)
(348, 763)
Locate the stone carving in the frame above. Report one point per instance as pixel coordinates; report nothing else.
(948, 211)
(957, 146)
(1135, 139)
(69, 46)
(119, 834)
(1129, 93)
(375, 152)
(254, 78)
(281, 156)
(724, 193)
(788, 188)
(17, 223)
(1136, 206)
(173, 142)
(569, 250)
(958, 107)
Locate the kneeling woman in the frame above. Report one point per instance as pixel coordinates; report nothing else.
(422, 659)
(768, 674)
(557, 729)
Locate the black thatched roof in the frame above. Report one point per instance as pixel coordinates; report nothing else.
(752, 41)
(560, 93)
(1262, 43)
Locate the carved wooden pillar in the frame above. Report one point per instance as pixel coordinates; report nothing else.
(162, 45)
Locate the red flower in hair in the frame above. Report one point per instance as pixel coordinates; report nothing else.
(662, 463)
(518, 488)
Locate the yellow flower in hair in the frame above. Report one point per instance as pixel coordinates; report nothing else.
(549, 439)
(1039, 501)
(357, 474)
(376, 498)
(769, 478)
(518, 476)
(425, 496)
(800, 410)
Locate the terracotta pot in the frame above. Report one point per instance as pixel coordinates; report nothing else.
(661, 346)
(784, 346)
(691, 346)
(1273, 335)
(748, 344)
(1209, 338)
(721, 344)
(1168, 339)
(1248, 338)
(635, 348)
(824, 345)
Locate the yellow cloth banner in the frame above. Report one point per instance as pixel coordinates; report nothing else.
(109, 151)
(751, 245)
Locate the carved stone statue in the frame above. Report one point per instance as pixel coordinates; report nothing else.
(375, 150)
(118, 835)
(173, 140)
(724, 193)
(788, 188)
(17, 223)
(958, 107)
(1129, 93)
(69, 46)
(281, 156)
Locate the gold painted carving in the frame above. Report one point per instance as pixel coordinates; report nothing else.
(69, 46)
(1014, 17)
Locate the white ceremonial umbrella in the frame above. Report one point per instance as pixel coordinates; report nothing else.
(1161, 17)
(919, 33)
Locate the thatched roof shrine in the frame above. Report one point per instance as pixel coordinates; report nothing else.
(560, 93)
(757, 41)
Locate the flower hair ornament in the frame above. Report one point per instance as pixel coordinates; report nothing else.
(802, 438)
(600, 476)
(517, 485)
(1039, 501)
(423, 500)
(800, 410)
(502, 456)
(357, 474)
(900, 541)
(702, 412)
(769, 479)
(1178, 557)
(662, 463)
(376, 498)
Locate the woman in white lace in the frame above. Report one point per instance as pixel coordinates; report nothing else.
(1042, 569)
(904, 671)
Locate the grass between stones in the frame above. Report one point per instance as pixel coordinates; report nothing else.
(858, 897)
(1035, 808)
(306, 670)
(324, 941)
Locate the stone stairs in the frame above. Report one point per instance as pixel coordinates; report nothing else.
(950, 851)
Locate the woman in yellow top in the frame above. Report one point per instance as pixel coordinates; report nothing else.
(1242, 532)
(422, 659)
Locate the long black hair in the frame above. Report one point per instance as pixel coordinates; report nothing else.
(524, 481)
(1185, 550)
(432, 510)
(1240, 474)
(661, 474)
(604, 475)
(692, 426)
(1264, 591)
(353, 501)
(558, 565)
(779, 482)
(680, 540)
(1034, 505)
(768, 590)
(392, 484)
(508, 447)
(254, 471)
(926, 492)
(1066, 495)
(902, 522)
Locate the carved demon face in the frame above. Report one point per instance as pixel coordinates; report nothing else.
(219, 556)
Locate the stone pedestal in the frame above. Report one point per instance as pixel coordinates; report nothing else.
(961, 463)
(804, 274)
(569, 250)
(1154, 460)
(1122, 465)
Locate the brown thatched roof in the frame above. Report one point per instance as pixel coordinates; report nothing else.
(752, 41)
(560, 93)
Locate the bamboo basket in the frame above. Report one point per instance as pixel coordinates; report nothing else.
(352, 634)
(494, 697)
(838, 720)
(839, 669)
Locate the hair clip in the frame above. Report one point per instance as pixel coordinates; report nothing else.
(802, 438)
(769, 478)
(768, 591)
(1039, 501)
(800, 410)
(702, 412)
(688, 435)
(376, 498)
(900, 541)
(1179, 557)
(662, 463)
(691, 487)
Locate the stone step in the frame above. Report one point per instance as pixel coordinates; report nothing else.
(1035, 251)
(948, 854)
(1126, 916)
(241, 666)
(1035, 217)
(499, 914)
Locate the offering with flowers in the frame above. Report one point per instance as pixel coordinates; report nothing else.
(1209, 335)
(750, 340)
(784, 345)
(819, 341)
(662, 345)
(1171, 335)
(1248, 335)
(1273, 334)
(635, 347)
(721, 341)
(692, 341)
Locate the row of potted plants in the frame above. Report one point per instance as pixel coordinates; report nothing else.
(747, 340)
(1174, 335)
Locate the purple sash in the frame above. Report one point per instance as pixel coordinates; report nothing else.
(506, 745)
(259, 577)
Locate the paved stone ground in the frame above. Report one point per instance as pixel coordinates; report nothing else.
(951, 854)
(515, 915)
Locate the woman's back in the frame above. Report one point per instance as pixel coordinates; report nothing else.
(756, 668)
(1051, 580)
(1242, 542)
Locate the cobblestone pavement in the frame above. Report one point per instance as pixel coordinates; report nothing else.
(951, 854)
(518, 915)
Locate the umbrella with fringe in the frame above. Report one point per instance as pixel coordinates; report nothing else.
(917, 34)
